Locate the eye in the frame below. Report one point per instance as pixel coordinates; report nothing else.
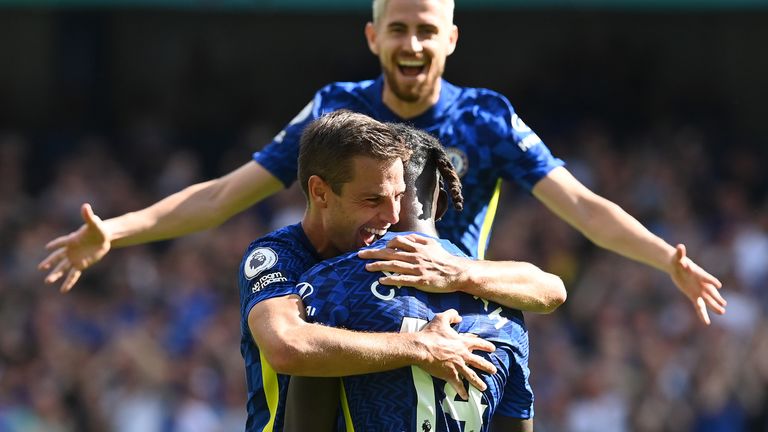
(427, 32)
(397, 29)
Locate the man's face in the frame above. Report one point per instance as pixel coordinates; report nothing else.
(366, 206)
(412, 40)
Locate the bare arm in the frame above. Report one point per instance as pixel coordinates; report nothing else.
(609, 226)
(422, 263)
(294, 347)
(198, 207)
(311, 404)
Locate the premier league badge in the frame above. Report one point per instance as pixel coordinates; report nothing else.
(259, 260)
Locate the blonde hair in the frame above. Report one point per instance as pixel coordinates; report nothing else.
(380, 5)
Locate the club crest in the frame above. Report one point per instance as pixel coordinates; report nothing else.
(259, 260)
(458, 159)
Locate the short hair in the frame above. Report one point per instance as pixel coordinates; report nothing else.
(428, 157)
(329, 143)
(379, 6)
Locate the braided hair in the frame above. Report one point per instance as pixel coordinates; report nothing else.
(429, 155)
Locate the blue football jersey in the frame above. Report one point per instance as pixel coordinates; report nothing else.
(339, 292)
(271, 267)
(480, 130)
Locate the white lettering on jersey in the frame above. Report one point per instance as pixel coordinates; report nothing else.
(470, 411)
(311, 311)
(386, 297)
(300, 117)
(268, 279)
(496, 315)
(528, 142)
(519, 125)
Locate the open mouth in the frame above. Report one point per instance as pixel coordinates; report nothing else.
(412, 67)
(370, 235)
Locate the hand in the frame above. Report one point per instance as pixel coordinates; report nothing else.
(418, 262)
(450, 353)
(76, 251)
(698, 285)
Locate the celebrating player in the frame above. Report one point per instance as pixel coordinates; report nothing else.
(340, 292)
(353, 191)
(485, 137)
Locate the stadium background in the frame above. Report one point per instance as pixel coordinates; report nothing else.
(659, 106)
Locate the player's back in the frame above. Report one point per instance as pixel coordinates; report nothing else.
(341, 293)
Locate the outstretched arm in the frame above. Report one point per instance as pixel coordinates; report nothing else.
(610, 227)
(294, 347)
(422, 263)
(198, 207)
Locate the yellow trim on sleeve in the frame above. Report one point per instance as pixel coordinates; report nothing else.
(345, 408)
(485, 230)
(271, 391)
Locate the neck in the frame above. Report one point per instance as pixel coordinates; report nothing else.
(408, 110)
(313, 228)
(424, 226)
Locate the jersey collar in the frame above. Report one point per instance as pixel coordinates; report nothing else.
(448, 95)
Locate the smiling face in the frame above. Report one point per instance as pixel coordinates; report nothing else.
(412, 39)
(366, 206)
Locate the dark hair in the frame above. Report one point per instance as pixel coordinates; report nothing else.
(427, 158)
(329, 143)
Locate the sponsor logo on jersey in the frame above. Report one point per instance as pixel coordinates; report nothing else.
(530, 139)
(259, 260)
(528, 142)
(266, 280)
(305, 289)
(300, 117)
(519, 125)
(389, 295)
(458, 159)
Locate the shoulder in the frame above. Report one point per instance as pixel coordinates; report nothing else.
(283, 247)
(339, 95)
(340, 265)
(483, 109)
(482, 100)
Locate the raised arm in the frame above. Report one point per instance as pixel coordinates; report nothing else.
(422, 263)
(198, 207)
(609, 226)
(294, 347)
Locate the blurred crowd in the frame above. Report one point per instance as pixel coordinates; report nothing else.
(149, 338)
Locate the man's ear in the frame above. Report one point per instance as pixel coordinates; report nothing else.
(370, 36)
(453, 39)
(318, 190)
(442, 204)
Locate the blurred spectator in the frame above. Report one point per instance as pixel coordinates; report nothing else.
(148, 341)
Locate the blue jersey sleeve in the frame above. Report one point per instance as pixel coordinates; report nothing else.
(520, 153)
(517, 399)
(269, 269)
(280, 157)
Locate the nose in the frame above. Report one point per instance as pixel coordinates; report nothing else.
(390, 211)
(414, 44)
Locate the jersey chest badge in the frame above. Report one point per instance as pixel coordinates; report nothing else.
(259, 260)
(458, 159)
